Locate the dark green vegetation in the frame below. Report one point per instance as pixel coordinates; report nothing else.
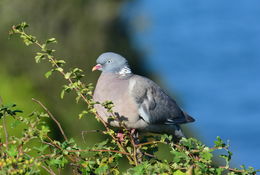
(84, 28)
(35, 150)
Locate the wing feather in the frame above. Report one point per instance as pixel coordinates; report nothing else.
(154, 105)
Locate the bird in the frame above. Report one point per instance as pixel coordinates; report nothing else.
(138, 102)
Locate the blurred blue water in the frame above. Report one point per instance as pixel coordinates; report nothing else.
(208, 52)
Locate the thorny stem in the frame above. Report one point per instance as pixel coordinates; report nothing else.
(52, 60)
(94, 150)
(48, 170)
(4, 125)
(150, 155)
(99, 150)
(6, 133)
(232, 169)
(131, 157)
(57, 146)
(91, 131)
(148, 143)
(134, 148)
(52, 117)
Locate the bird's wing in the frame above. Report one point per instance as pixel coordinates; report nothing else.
(154, 105)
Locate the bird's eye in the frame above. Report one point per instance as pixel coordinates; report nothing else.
(109, 61)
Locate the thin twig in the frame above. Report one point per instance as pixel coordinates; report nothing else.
(44, 156)
(5, 130)
(57, 146)
(59, 171)
(99, 150)
(148, 143)
(232, 169)
(134, 148)
(52, 60)
(52, 117)
(90, 131)
(47, 143)
(149, 155)
(48, 170)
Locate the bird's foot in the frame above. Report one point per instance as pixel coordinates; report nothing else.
(132, 131)
(135, 136)
(120, 136)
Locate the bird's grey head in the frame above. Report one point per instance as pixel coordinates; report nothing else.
(113, 63)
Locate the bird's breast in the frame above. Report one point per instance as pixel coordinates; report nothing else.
(117, 91)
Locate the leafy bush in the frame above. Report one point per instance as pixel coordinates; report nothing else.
(36, 152)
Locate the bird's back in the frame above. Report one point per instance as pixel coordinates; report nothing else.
(159, 106)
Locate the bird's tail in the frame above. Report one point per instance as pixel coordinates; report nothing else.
(188, 118)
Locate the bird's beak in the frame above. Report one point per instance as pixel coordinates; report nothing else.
(97, 67)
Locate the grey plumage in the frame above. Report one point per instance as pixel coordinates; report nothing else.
(139, 102)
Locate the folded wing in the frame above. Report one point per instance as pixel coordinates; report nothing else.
(154, 105)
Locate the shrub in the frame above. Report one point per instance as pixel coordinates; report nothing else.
(36, 152)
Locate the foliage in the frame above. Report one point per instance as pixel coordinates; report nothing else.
(17, 156)
(81, 27)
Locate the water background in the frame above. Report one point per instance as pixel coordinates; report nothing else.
(207, 52)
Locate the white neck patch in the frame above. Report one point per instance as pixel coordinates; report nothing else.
(125, 70)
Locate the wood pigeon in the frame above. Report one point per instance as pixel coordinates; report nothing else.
(138, 101)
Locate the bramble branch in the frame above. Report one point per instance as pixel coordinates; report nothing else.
(52, 117)
(78, 86)
(189, 156)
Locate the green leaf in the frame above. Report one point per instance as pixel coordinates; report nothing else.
(42, 148)
(227, 157)
(207, 156)
(12, 151)
(48, 74)
(67, 75)
(50, 51)
(62, 93)
(219, 171)
(83, 113)
(51, 40)
(179, 156)
(60, 62)
(39, 56)
(102, 169)
(15, 123)
(24, 25)
(179, 172)
(65, 89)
(43, 131)
(43, 48)
(59, 162)
(21, 26)
(219, 142)
(78, 98)
(59, 69)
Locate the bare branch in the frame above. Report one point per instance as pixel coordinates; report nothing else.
(6, 133)
(52, 117)
(90, 131)
(48, 170)
(99, 150)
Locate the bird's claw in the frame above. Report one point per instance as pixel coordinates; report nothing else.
(120, 136)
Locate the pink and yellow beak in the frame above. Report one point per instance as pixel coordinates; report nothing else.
(97, 67)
